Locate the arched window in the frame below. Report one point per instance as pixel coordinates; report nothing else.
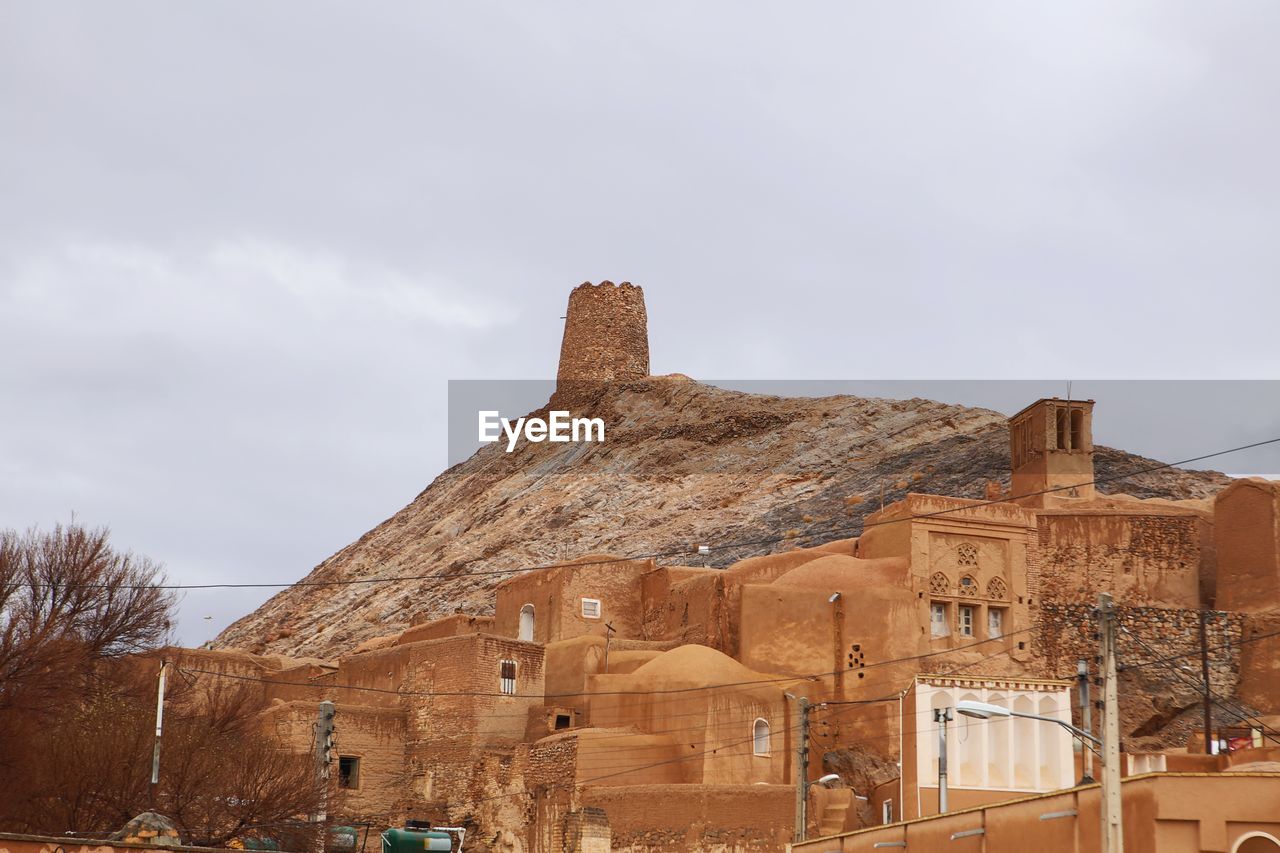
(939, 584)
(526, 623)
(1256, 842)
(760, 737)
(968, 586)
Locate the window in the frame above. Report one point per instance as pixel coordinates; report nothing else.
(997, 589)
(939, 584)
(526, 623)
(591, 608)
(507, 677)
(886, 811)
(563, 721)
(938, 619)
(966, 621)
(968, 587)
(995, 622)
(348, 771)
(760, 737)
(966, 554)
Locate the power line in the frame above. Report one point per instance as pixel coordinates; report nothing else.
(1232, 708)
(497, 693)
(683, 552)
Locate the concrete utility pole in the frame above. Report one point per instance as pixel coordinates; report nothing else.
(1086, 721)
(324, 750)
(942, 716)
(155, 753)
(802, 772)
(1112, 814)
(1204, 674)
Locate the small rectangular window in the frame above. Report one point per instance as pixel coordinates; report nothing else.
(938, 619)
(348, 771)
(966, 621)
(995, 622)
(591, 608)
(507, 677)
(886, 811)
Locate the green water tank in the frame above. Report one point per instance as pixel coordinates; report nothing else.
(416, 841)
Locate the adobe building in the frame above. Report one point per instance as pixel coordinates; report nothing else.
(626, 703)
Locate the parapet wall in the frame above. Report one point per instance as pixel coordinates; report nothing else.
(606, 335)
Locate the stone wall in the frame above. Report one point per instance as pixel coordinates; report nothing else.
(1068, 632)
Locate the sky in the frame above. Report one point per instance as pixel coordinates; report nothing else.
(244, 247)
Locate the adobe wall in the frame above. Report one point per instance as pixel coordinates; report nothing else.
(696, 609)
(1247, 535)
(783, 630)
(606, 335)
(1144, 558)
(1162, 812)
(556, 596)
(376, 736)
(569, 663)
(622, 757)
(1260, 662)
(719, 818)
(455, 625)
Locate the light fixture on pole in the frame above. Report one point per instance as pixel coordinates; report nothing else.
(986, 711)
(942, 716)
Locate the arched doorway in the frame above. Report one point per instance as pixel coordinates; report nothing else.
(526, 623)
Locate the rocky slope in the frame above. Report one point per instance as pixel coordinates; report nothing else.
(684, 463)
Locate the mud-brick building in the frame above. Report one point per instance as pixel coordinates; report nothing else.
(610, 702)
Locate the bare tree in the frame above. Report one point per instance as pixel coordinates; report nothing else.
(223, 775)
(67, 600)
(77, 706)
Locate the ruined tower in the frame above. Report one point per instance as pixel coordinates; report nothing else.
(606, 335)
(1051, 447)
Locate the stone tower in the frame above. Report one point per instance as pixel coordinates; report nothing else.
(1051, 447)
(606, 335)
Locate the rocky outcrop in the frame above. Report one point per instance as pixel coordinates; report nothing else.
(683, 464)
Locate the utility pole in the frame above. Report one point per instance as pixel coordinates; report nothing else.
(324, 750)
(942, 716)
(802, 771)
(155, 753)
(1086, 720)
(1204, 674)
(1112, 815)
(608, 635)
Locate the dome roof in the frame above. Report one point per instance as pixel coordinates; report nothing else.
(836, 570)
(695, 666)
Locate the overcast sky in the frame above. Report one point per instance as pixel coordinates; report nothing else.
(243, 246)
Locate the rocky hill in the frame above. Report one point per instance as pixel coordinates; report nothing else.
(684, 463)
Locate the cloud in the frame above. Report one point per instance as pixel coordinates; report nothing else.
(239, 262)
